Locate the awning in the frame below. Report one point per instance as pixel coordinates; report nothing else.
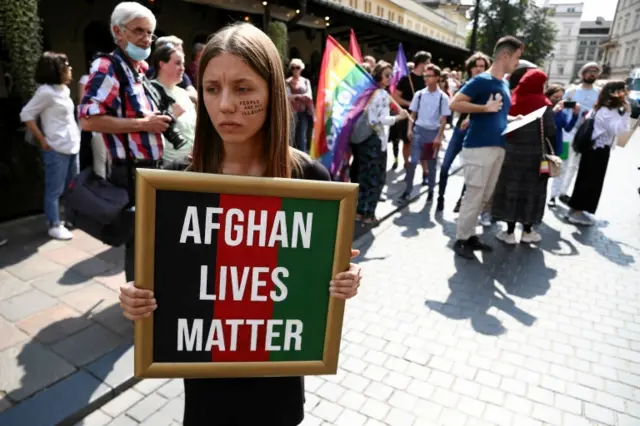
(378, 33)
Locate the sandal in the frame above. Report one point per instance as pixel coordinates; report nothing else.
(371, 220)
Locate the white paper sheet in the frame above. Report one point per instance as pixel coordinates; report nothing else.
(514, 125)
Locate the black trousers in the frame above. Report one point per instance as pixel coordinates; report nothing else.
(590, 180)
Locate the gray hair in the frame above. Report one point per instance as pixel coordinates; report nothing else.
(169, 39)
(126, 12)
(296, 62)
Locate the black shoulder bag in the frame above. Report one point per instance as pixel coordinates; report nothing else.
(96, 205)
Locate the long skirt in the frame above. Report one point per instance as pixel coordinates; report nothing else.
(372, 174)
(521, 191)
(590, 180)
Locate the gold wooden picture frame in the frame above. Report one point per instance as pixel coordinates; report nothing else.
(149, 182)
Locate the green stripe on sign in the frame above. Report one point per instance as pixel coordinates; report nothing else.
(309, 276)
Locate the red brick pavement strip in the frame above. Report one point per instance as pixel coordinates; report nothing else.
(524, 336)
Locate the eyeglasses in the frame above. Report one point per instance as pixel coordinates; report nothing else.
(295, 68)
(430, 75)
(140, 33)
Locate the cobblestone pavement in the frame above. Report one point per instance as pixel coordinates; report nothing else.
(525, 335)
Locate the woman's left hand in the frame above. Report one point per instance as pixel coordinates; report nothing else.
(345, 284)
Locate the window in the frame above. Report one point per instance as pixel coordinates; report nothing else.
(392, 16)
(632, 55)
(583, 42)
(571, 9)
(562, 49)
(367, 6)
(410, 24)
(593, 43)
(560, 69)
(625, 58)
(380, 12)
(353, 4)
(567, 28)
(400, 19)
(625, 27)
(636, 21)
(582, 54)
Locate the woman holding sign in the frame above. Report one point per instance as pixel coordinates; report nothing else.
(243, 129)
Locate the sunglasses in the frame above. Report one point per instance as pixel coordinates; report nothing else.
(295, 68)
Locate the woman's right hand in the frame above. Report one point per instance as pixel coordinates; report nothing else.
(559, 106)
(45, 145)
(136, 303)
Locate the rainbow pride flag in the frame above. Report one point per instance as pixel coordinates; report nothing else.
(343, 91)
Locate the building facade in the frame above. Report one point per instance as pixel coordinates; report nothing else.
(622, 48)
(561, 63)
(592, 35)
(455, 11)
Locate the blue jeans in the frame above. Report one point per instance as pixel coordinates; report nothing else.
(453, 149)
(59, 170)
(421, 137)
(302, 125)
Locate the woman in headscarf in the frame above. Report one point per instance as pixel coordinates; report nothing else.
(521, 191)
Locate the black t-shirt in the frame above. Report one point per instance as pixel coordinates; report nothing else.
(405, 87)
(272, 401)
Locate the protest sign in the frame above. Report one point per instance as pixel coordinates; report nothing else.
(240, 268)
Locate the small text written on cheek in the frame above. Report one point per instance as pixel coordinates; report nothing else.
(251, 107)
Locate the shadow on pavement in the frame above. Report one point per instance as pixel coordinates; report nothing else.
(473, 294)
(73, 360)
(412, 222)
(592, 236)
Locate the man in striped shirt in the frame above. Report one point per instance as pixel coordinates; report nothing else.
(139, 127)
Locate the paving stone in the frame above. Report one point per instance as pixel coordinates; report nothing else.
(29, 367)
(33, 267)
(25, 304)
(57, 402)
(350, 418)
(375, 409)
(87, 345)
(115, 367)
(599, 414)
(92, 299)
(67, 255)
(328, 411)
(174, 409)
(11, 335)
(159, 418)
(146, 407)
(172, 389)
(122, 402)
(11, 286)
(53, 324)
(97, 418)
(60, 282)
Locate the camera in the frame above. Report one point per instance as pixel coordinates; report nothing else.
(164, 102)
(173, 134)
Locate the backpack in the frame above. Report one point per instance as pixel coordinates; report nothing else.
(583, 140)
(362, 130)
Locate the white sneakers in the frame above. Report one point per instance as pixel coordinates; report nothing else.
(527, 237)
(60, 233)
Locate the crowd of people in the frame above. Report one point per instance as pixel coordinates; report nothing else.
(164, 114)
(505, 174)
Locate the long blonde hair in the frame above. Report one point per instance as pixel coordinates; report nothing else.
(257, 50)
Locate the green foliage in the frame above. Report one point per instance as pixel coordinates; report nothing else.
(20, 34)
(539, 35)
(520, 18)
(277, 31)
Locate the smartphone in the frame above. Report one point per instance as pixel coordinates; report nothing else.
(570, 104)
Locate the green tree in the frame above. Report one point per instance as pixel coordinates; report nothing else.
(520, 18)
(539, 34)
(277, 31)
(20, 34)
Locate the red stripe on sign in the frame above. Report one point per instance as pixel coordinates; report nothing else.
(240, 262)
